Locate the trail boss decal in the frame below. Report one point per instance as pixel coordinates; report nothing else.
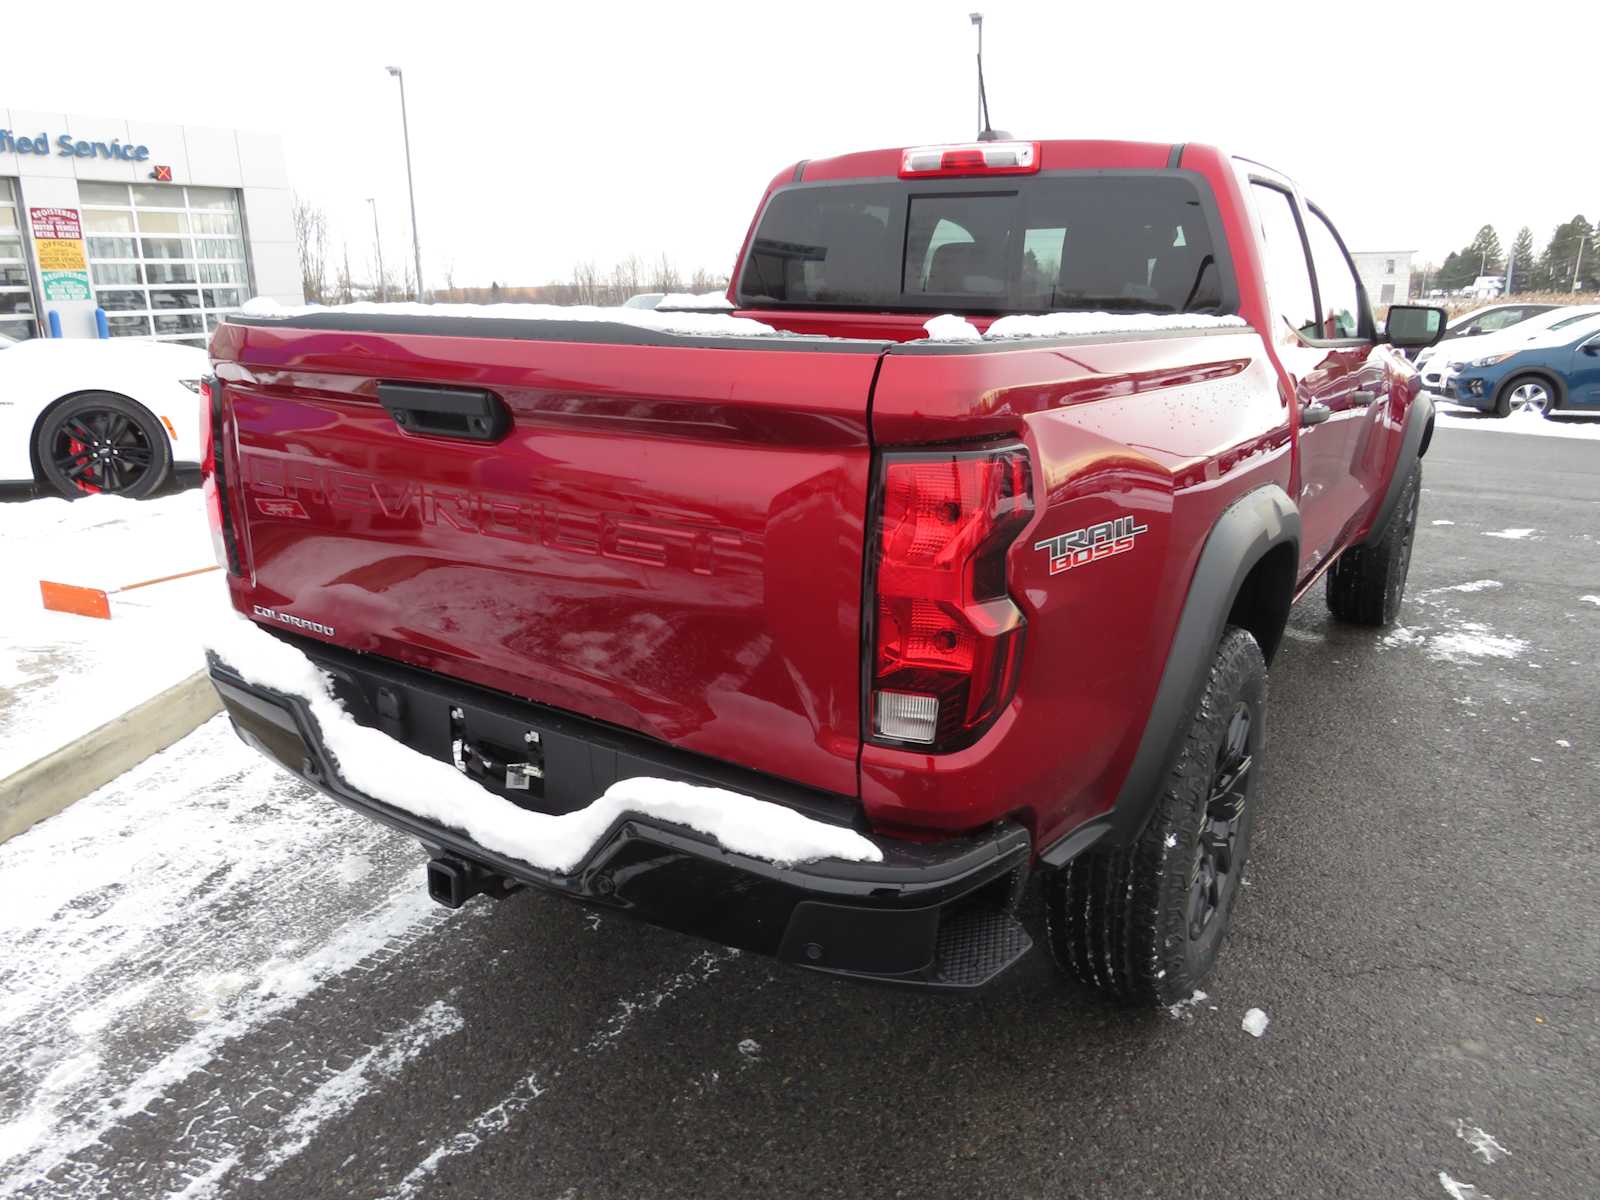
(1089, 545)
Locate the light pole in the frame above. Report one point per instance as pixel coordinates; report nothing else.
(1582, 238)
(411, 187)
(383, 287)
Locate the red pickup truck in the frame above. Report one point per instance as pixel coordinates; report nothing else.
(1001, 601)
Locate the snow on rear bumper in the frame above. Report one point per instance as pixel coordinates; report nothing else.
(934, 915)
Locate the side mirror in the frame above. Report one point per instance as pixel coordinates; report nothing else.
(1414, 326)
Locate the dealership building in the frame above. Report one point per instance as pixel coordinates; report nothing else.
(124, 228)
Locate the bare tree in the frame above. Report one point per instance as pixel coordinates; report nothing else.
(666, 277)
(342, 286)
(311, 243)
(703, 281)
(586, 283)
(627, 279)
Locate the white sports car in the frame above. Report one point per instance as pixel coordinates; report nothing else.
(79, 415)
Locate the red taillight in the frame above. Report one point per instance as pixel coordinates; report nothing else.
(947, 638)
(213, 482)
(978, 158)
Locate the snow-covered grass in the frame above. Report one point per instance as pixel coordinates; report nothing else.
(703, 324)
(62, 675)
(387, 770)
(1455, 416)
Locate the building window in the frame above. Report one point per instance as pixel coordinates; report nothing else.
(1387, 294)
(166, 260)
(1388, 268)
(16, 292)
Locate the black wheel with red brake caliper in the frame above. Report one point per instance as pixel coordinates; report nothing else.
(100, 442)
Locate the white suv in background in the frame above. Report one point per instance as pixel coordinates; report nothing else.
(1435, 361)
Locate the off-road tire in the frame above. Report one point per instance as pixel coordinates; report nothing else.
(1367, 585)
(1120, 919)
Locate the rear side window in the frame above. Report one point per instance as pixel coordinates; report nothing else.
(1135, 241)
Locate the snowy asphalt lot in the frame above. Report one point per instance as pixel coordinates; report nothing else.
(214, 983)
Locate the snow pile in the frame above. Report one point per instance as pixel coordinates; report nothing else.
(1081, 324)
(68, 674)
(703, 324)
(949, 327)
(702, 302)
(1254, 1023)
(377, 765)
(1476, 585)
(1473, 641)
(1482, 1144)
(1183, 1010)
(1510, 535)
(1458, 417)
(1595, 600)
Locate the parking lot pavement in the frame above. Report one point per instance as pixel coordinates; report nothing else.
(214, 983)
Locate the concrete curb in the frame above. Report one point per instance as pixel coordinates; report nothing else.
(43, 788)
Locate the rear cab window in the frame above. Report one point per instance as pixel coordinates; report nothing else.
(1072, 240)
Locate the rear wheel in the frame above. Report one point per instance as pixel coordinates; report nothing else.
(1367, 584)
(1143, 923)
(100, 442)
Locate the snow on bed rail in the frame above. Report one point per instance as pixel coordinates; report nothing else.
(951, 327)
(700, 301)
(387, 770)
(703, 324)
(1075, 324)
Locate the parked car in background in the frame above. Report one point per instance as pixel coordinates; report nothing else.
(1558, 370)
(644, 300)
(79, 416)
(1435, 362)
(1484, 320)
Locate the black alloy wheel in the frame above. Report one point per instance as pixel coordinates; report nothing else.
(102, 444)
(1215, 875)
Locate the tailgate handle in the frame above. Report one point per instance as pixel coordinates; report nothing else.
(471, 414)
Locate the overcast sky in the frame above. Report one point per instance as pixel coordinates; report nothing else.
(543, 135)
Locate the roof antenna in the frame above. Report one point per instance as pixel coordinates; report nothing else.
(986, 133)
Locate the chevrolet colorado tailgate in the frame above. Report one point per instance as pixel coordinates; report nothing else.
(659, 532)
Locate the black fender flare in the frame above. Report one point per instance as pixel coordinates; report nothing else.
(1413, 445)
(1248, 529)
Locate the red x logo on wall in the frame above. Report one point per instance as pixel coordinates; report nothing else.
(162, 174)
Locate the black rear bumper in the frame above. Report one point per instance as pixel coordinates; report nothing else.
(932, 915)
